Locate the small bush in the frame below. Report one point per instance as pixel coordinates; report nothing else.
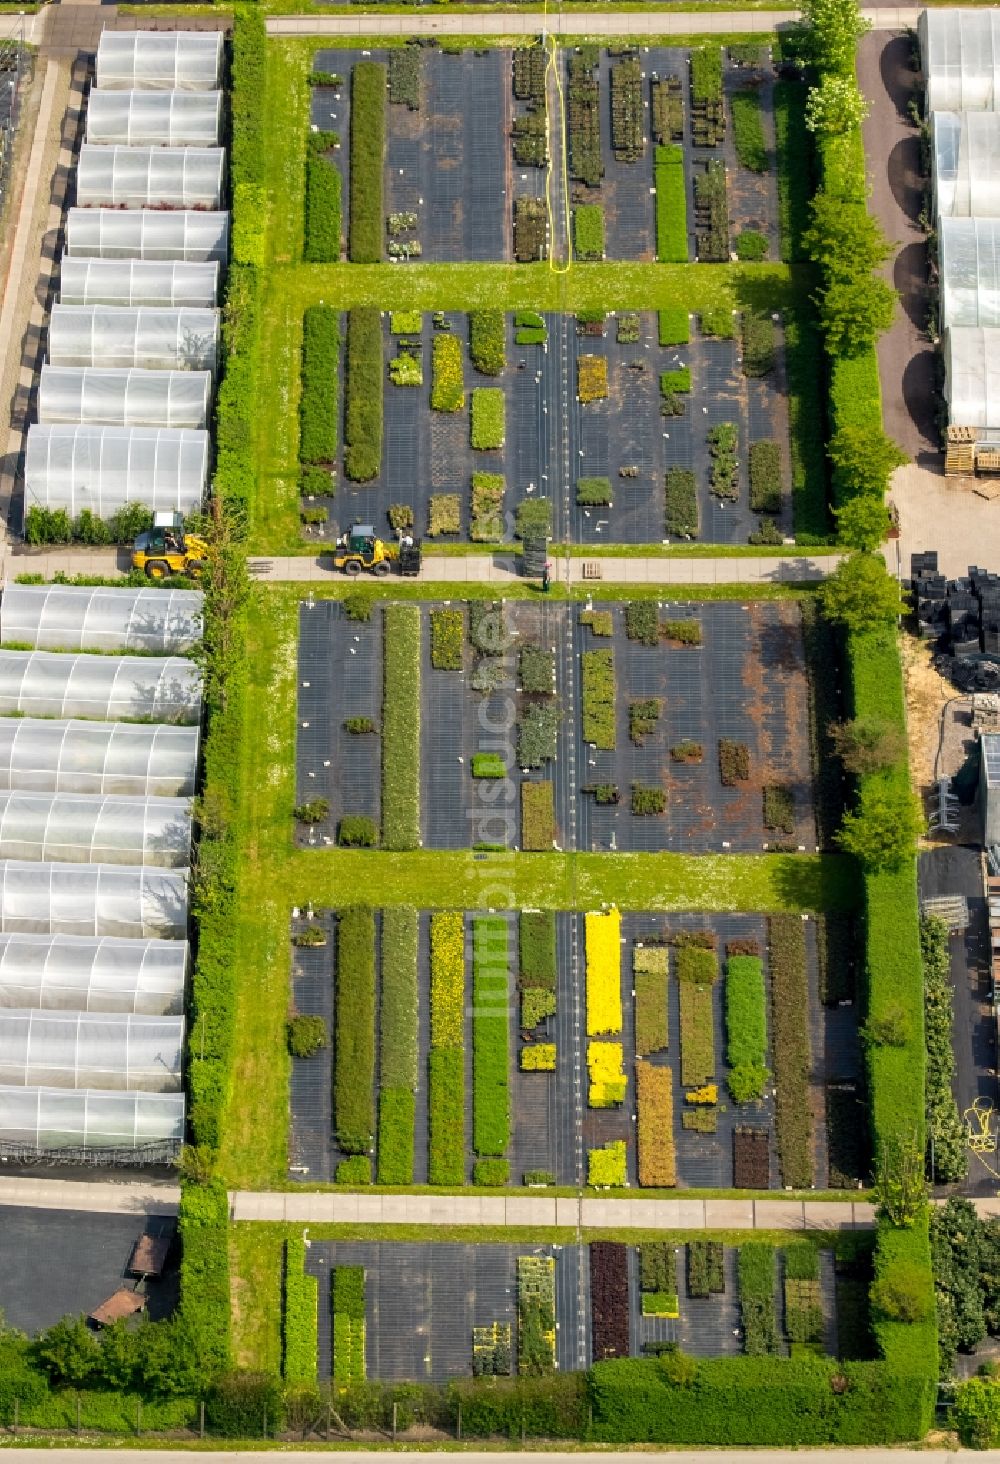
(447, 387)
(538, 819)
(447, 639)
(588, 231)
(591, 378)
(444, 514)
(601, 622)
(671, 208)
(687, 751)
(779, 808)
(488, 418)
(306, 1035)
(642, 718)
(765, 477)
(355, 1170)
(491, 1173)
(598, 694)
(751, 247)
(487, 341)
(538, 1057)
(593, 492)
(717, 321)
(355, 831)
(681, 632)
(759, 349)
(358, 726)
(647, 800)
(536, 670)
(488, 765)
(533, 518)
(734, 762)
(748, 130)
(487, 524)
(313, 812)
(681, 507)
(606, 1167)
(642, 622)
(673, 325)
(358, 605)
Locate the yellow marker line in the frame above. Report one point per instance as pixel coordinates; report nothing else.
(552, 66)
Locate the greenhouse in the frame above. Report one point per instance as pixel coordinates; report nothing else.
(194, 235)
(111, 1050)
(105, 468)
(159, 60)
(135, 1127)
(155, 338)
(46, 755)
(72, 828)
(154, 118)
(138, 282)
(94, 618)
(972, 381)
(969, 253)
(122, 398)
(150, 177)
(75, 973)
(109, 688)
(93, 899)
(960, 54)
(966, 170)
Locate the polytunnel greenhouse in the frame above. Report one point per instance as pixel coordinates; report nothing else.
(103, 468)
(193, 235)
(122, 398)
(966, 170)
(95, 618)
(972, 381)
(138, 282)
(960, 58)
(969, 254)
(46, 755)
(159, 60)
(109, 688)
(155, 338)
(141, 1128)
(116, 1051)
(75, 973)
(150, 177)
(72, 828)
(93, 899)
(154, 118)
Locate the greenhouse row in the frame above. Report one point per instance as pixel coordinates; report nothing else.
(74, 1124)
(93, 899)
(78, 973)
(83, 829)
(150, 177)
(95, 618)
(150, 234)
(159, 338)
(139, 282)
(118, 1052)
(124, 398)
(104, 468)
(159, 61)
(51, 755)
(154, 119)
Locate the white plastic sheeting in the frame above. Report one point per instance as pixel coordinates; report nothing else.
(154, 118)
(972, 380)
(960, 57)
(969, 254)
(92, 618)
(155, 338)
(109, 688)
(104, 468)
(47, 755)
(101, 1050)
(71, 828)
(111, 233)
(966, 164)
(143, 177)
(73, 973)
(138, 282)
(54, 1121)
(122, 398)
(93, 899)
(159, 60)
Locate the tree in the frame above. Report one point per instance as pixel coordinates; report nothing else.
(69, 1352)
(834, 29)
(867, 744)
(843, 239)
(835, 106)
(882, 834)
(854, 313)
(977, 1413)
(861, 595)
(864, 458)
(956, 1257)
(900, 1192)
(862, 523)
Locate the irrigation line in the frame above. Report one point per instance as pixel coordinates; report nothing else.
(551, 45)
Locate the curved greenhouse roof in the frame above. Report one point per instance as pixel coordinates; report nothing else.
(156, 338)
(144, 177)
(966, 169)
(159, 60)
(46, 755)
(113, 233)
(116, 398)
(972, 380)
(109, 688)
(969, 254)
(67, 1124)
(73, 828)
(154, 118)
(103, 468)
(138, 282)
(74, 973)
(93, 899)
(116, 1051)
(960, 58)
(91, 618)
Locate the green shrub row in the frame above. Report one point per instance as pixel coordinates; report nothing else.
(347, 1290)
(680, 520)
(487, 341)
(748, 130)
(757, 1313)
(55, 526)
(536, 943)
(318, 402)
(488, 417)
(205, 1304)
(396, 1120)
(397, 1045)
(673, 326)
(354, 1046)
(588, 231)
(490, 1036)
(300, 1317)
(671, 206)
(236, 398)
(365, 383)
(598, 696)
(447, 639)
(400, 716)
(368, 93)
(765, 476)
(947, 1146)
(746, 1028)
(791, 1050)
(447, 389)
(446, 1067)
(321, 241)
(248, 149)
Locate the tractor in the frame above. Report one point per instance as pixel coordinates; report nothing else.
(361, 548)
(166, 549)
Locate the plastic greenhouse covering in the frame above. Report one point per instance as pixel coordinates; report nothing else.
(110, 688)
(972, 380)
(159, 60)
(72, 828)
(59, 1122)
(969, 253)
(143, 760)
(138, 282)
(93, 899)
(966, 169)
(154, 118)
(109, 1050)
(156, 338)
(75, 973)
(103, 468)
(112, 233)
(137, 177)
(123, 398)
(960, 56)
(89, 618)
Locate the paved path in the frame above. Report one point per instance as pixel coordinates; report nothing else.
(101, 1197)
(569, 23)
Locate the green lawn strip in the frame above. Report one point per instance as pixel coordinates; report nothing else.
(301, 1316)
(287, 113)
(490, 1036)
(400, 723)
(671, 205)
(256, 1258)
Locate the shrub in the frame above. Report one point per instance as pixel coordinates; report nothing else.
(355, 1170)
(697, 970)
(657, 1158)
(444, 514)
(705, 1268)
(447, 639)
(536, 1005)
(601, 622)
(400, 715)
(358, 606)
(487, 507)
(347, 1285)
(447, 387)
(488, 417)
(397, 1045)
(598, 698)
(487, 341)
(530, 229)
(606, 1167)
(405, 76)
(588, 231)
(751, 247)
(406, 369)
(642, 622)
(748, 130)
(537, 949)
(674, 324)
(363, 415)
(779, 808)
(538, 819)
(759, 350)
(356, 831)
(647, 800)
(306, 1035)
(446, 1160)
(537, 732)
(406, 322)
(593, 492)
(602, 932)
(649, 979)
(681, 508)
(447, 979)
(746, 1028)
(536, 670)
(368, 88)
(607, 1077)
(757, 1313)
(791, 1048)
(681, 632)
(318, 403)
(671, 218)
(536, 1315)
(717, 321)
(609, 1299)
(491, 1173)
(354, 1049)
(490, 1052)
(488, 765)
(734, 762)
(723, 443)
(538, 1057)
(321, 236)
(313, 812)
(945, 1129)
(583, 120)
(643, 717)
(765, 477)
(687, 751)
(712, 206)
(591, 378)
(533, 518)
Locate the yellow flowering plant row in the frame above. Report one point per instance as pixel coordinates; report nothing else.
(707, 1094)
(447, 979)
(538, 1057)
(604, 983)
(606, 1073)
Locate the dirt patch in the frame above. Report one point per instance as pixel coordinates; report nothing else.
(927, 693)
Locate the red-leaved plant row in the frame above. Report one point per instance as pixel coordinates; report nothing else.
(751, 1158)
(608, 1300)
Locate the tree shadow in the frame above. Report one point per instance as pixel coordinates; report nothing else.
(898, 76)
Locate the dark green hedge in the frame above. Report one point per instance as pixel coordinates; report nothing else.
(366, 222)
(203, 1226)
(365, 382)
(300, 1316)
(354, 1047)
(318, 402)
(248, 153)
(321, 244)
